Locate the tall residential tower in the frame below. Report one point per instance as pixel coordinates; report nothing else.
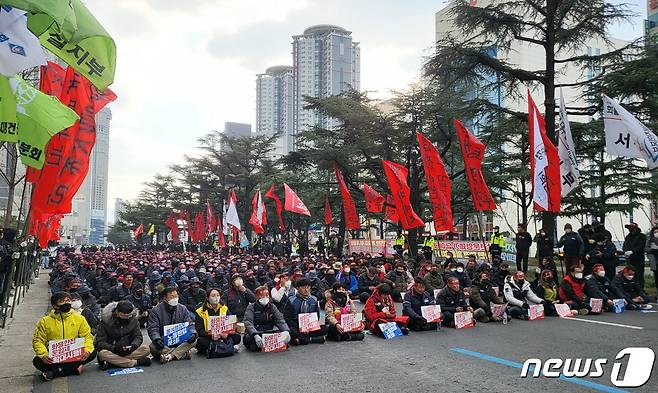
(274, 107)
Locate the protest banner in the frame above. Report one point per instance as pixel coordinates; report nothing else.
(464, 320)
(225, 324)
(273, 342)
(431, 313)
(460, 249)
(351, 322)
(67, 350)
(308, 322)
(176, 333)
(618, 306)
(390, 330)
(563, 310)
(596, 305)
(124, 371)
(535, 312)
(374, 247)
(497, 310)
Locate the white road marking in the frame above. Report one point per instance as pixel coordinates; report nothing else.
(605, 323)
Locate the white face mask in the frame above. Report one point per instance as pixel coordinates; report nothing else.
(578, 275)
(238, 283)
(460, 270)
(630, 278)
(263, 301)
(655, 234)
(76, 304)
(182, 270)
(287, 284)
(346, 270)
(173, 302)
(214, 300)
(601, 273)
(382, 269)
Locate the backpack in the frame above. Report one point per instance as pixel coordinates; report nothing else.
(220, 349)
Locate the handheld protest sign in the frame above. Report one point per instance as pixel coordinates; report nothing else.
(618, 306)
(351, 322)
(536, 312)
(308, 322)
(176, 333)
(431, 313)
(563, 310)
(464, 320)
(67, 350)
(497, 310)
(390, 330)
(218, 325)
(596, 305)
(273, 342)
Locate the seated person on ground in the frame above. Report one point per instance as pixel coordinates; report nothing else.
(452, 300)
(434, 278)
(380, 308)
(169, 312)
(401, 280)
(547, 290)
(599, 287)
(262, 317)
(226, 344)
(339, 303)
(119, 340)
(301, 303)
(630, 289)
(572, 290)
(414, 299)
(519, 295)
(482, 295)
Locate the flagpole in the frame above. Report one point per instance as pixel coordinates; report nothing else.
(369, 234)
(484, 243)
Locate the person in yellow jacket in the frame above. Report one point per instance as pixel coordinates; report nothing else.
(61, 323)
(497, 243)
(225, 344)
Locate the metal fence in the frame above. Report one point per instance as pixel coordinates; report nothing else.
(17, 282)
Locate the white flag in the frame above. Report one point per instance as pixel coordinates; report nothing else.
(626, 136)
(232, 215)
(260, 210)
(224, 223)
(540, 157)
(567, 152)
(19, 48)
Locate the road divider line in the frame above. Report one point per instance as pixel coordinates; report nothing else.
(604, 323)
(510, 363)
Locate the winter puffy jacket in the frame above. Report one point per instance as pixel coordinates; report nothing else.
(259, 319)
(349, 282)
(237, 301)
(374, 308)
(161, 316)
(573, 244)
(413, 301)
(112, 334)
(601, 288)
(401, 281)
(434, 281)
(449, 300)
(629, 289)
(294, 308)
(482, 294)
(516, 295)
(192, 300)
(59, 326)
(333, 311)
(202, 315)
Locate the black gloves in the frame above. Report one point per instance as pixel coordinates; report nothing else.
(159, 344)
(526, 305)
(192, 338)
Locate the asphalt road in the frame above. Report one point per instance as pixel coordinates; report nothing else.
(479, 359)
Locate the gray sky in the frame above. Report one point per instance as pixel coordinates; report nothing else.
(186, 67)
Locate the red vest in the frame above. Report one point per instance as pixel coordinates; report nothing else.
(578, 288)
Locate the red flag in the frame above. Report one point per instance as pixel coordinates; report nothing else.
(67, 155)
(374, 200)
(544, 163)
(199, 232)
(391, 210)
(138, 231)
(328, 216)
(396, 175)
(349, 208)
(210, 214)
(220, 233)
(172, 224)
(185, 217)
(293, 202)
(473, 153)
(258, 214)
(279, 206)
(49, 230)
(438, 184)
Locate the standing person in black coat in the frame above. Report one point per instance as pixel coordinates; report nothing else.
(544, 245)
(119, 340)
(572, 245)
(523, 243)
(633, 248)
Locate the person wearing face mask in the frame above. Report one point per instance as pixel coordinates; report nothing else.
(482, 295)
(282, 291)
(547, 290)
(368, 281)
(193, 296)
(301, 303)
(545, 245)
(180, 272)
(572, 291)
(348, 279)
(523, 243)
(633, 248)
(78, 306)
(519, 295)
(329, 278)
(380, 308)
(451, 299)
(497, 243)
(61, 323)
(630, 289)
(434, 278)
(169, 312)
(227, 344)
(460, 273)
(119, 340)
(599, 287)
(651, 248)
(604, 253)
(263, 317)
(122, 290)
(89, 300)
(499, 275)
(572, 245)
(414, 299)
(141, 302)
(338, 303)
(401, 280)
(238, 297)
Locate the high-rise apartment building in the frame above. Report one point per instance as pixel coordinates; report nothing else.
(274, 107)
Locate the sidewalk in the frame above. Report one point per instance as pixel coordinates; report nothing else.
(17, 372)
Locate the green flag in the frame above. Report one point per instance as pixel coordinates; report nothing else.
(46, 111)
(90, 51)
(45, 13)
(8, 129)
(32, 141)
